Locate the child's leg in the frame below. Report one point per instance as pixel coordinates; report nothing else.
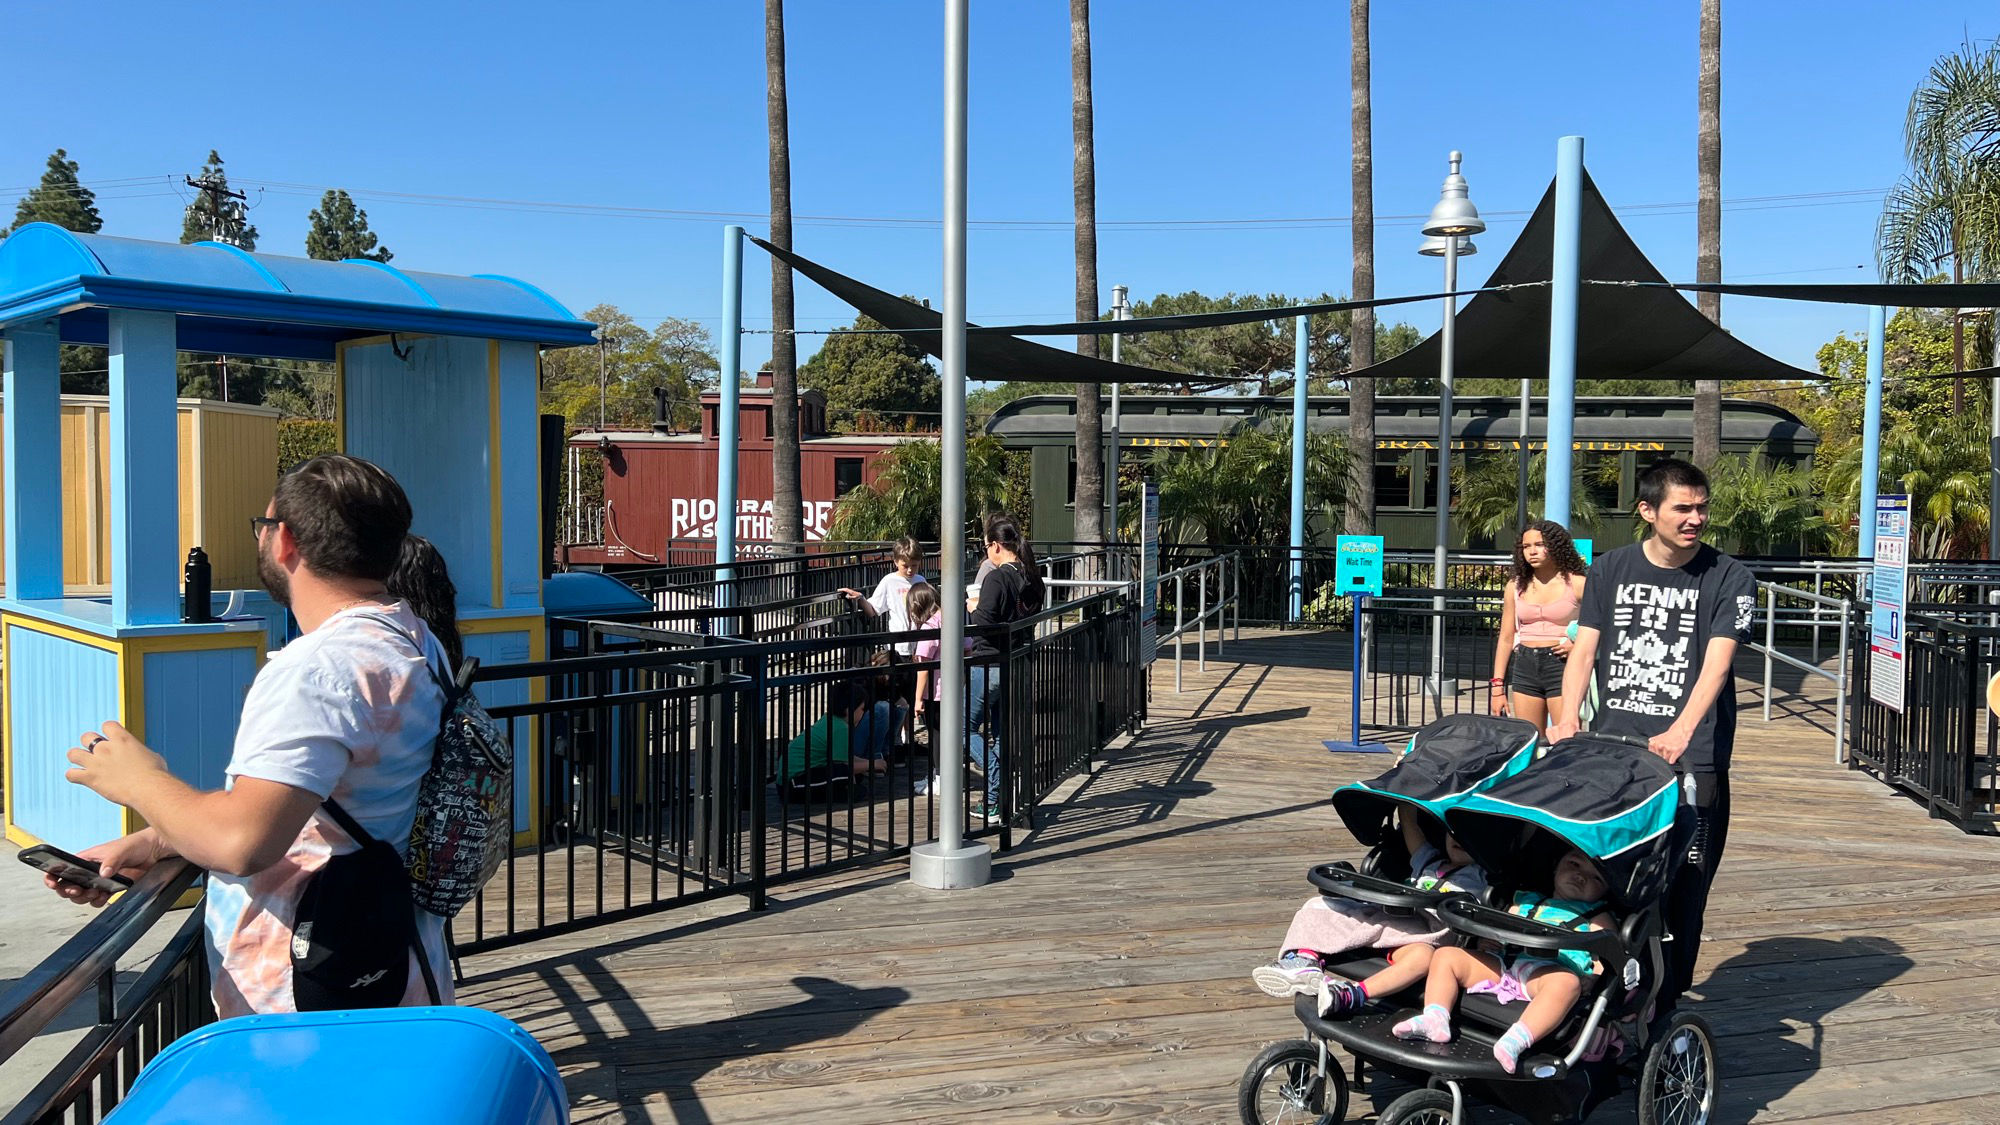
(1452, 970)
(1552, 992)
(1408, 964)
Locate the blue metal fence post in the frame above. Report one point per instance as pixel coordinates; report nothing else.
(1871, 432)
(33, 452)
(1565, 288)
(1299, 470)
(145, 473)
(731, 381)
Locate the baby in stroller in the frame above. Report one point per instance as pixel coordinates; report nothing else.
(1325, 926)
(1550, 987)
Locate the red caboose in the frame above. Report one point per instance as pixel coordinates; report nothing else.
(659, 484)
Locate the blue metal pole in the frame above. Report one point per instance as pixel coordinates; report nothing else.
(1565, 289)
(1871, 431)
(1299, 470)
(731, 378)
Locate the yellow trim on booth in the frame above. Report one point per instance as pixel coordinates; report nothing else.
(536, 626)
(132, 677)
(21, 838)
(493, 466)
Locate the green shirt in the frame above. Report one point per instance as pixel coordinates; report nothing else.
(829, 741)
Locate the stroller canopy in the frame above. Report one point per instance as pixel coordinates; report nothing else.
(1446, 761)
(1611, 800)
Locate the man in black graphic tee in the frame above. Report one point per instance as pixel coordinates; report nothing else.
(1658, 630)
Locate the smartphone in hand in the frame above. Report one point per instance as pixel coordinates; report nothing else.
(72, 869)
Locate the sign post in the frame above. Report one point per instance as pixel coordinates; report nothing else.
(1889, 590)
(1584, 549)
(1357, 572)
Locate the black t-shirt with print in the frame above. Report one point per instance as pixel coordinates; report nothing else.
(1654, 624)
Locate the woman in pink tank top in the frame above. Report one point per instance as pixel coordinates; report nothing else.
(1538, 609)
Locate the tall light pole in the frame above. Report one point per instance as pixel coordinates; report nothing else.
(1118, 311)
(1453, 217)
(949, 862)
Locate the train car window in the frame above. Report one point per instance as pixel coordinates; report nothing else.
(1392, 478)
(1599, 473)
(846, 475)
(1072, 476)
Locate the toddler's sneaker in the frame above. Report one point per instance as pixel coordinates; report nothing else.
(1294, 973)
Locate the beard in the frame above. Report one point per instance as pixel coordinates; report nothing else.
(274, 578)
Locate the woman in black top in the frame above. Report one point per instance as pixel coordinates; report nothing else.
(1010, 591)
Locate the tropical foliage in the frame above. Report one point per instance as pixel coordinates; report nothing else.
(1948, 204)
(1489, 491)
(905, 497)
(1757, 507)
(1943, 466)
(677, 356)
(1239, 491)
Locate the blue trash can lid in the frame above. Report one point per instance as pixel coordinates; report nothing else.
(577, 592)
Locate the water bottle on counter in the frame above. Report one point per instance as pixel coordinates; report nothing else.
(196, 579)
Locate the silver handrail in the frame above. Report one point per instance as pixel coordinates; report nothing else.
(1772, 656)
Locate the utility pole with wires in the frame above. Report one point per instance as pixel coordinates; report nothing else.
(216, 191)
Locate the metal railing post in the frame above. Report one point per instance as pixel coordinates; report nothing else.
(1770, 638)
(1201, 619)
(1236, 591)
(1180, 589)
(1840, 699)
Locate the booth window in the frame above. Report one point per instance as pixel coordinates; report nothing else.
(1598, 473)
(846, 475)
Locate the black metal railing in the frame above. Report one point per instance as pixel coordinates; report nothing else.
(666, 776)
(133, 1024)
(1398, 639)
(1943, 746)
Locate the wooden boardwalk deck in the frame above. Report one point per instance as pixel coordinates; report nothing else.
(1852, 967)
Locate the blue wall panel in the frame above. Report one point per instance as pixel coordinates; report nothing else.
(58, 689)
(193, 701)
(425, 420)
(493, 649)
(520, 478)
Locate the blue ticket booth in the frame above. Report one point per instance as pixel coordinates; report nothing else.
(435, 381)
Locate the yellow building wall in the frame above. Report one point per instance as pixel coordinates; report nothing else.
(228, 467)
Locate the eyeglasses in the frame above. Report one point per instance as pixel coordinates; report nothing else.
(259, 523)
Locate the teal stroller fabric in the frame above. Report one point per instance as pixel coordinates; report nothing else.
(1609, 799)
(1446, 762)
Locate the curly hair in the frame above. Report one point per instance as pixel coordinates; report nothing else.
(1561, 548)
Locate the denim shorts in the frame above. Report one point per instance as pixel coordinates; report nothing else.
(1536, 672)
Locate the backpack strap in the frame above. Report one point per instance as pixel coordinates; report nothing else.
(347, 823)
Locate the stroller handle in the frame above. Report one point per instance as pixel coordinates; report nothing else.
(1468, 917)
(1343, 882)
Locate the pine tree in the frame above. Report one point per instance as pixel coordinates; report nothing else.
(60, 199)
(340, 231)
(215, 215)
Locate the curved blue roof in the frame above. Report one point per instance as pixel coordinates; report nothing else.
(233, 300)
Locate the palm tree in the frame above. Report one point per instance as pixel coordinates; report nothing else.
(1361, 342)
(1760, 508)
(1089, 407)
(787, 507)
(1708, 221)
(1948, 204)
(1222, 495)
(1943, 469)
(904, 499)
(1489, 492)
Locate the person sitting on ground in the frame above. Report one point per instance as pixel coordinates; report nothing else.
(889, 598)
(1551, 987)
(884, 713)
(823, 754)
(1327, 926)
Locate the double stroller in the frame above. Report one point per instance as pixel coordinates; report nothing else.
(1515, 813)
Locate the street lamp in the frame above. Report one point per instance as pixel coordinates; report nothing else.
(1453, 218)
(1119, 311)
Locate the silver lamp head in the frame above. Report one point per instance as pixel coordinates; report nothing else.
(1454, 213)
(1434, 247)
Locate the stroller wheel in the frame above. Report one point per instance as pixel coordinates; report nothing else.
(1283, 1086)
(1419, 1107)
(1678, 1083)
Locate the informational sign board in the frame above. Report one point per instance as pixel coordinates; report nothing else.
(1584, 548)
(1357, 564)
(1149, 572)
(1889, 590)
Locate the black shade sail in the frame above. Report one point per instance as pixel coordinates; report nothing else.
(1624, 332)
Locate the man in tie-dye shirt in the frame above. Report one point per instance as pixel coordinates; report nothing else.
(346, 711)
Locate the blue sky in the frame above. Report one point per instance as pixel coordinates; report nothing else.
(621, 123)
